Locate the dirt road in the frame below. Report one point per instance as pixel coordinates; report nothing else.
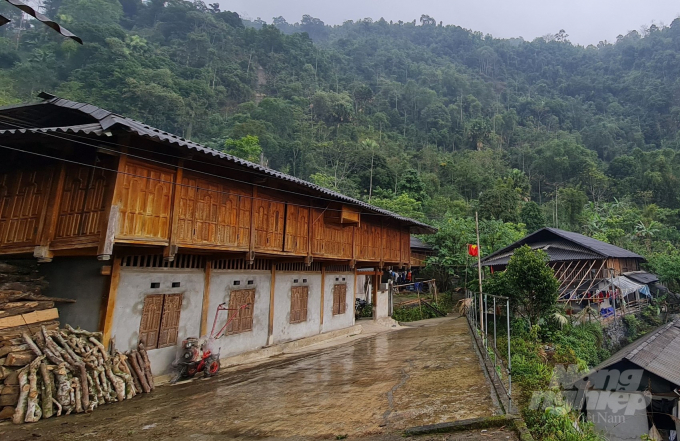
(373, 387)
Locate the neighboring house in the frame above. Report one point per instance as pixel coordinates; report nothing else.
(586, 268)
(637, 387)
(420, 251)
(150, 232)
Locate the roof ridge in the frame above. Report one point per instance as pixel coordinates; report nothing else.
(653, 337)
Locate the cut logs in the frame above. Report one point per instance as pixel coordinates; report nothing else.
(63, 371)
(47, 371)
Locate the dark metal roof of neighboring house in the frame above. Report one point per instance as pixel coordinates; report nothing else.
(418, 244)
(657, 352)
(642, 277)
(91, 120)
(582, 247)
(558, 251)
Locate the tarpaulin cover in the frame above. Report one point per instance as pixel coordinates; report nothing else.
(626, 285)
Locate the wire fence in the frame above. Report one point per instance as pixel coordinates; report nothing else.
(486, 322)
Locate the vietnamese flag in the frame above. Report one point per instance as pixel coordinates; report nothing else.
(473, 250)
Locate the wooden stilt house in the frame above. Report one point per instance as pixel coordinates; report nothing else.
(150, 232)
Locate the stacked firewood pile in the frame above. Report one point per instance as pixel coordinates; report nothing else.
(70, 370)
(45, 370)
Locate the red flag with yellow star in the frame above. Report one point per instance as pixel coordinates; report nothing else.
(473, 250)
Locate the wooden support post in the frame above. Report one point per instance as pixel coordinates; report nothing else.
(355, 286)
(479, 272)
(206, 298)
(170, 251)
(353, 262)
(111, 301)
(310, 234)
(109, 219)
(580, 282)
(42, 251)
(251, 246)
(323, 289)
(272, 292)
(376, 280)
(592, 282)
(567, 275)
(382, 243)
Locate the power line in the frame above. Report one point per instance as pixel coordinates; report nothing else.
(188, 169)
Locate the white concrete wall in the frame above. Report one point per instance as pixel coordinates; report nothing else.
(382, 309)
(332, 322)
(626, 422)
(283, 329)
(134, 285)
(221, 284)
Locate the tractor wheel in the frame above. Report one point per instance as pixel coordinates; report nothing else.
(212, 366)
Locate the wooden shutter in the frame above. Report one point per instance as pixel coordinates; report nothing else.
(172, 307)
(339, 299)
(151, 320)
(244, 317)
(298, 304)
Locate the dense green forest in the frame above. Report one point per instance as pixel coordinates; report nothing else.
(431, 121)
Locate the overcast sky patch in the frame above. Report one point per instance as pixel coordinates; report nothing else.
(586, 21)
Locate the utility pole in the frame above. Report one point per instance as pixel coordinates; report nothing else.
(479, 272)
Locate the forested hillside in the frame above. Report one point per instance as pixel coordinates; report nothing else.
(431, 121)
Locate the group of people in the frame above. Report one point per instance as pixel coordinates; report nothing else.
(614, 296)
(401, 277)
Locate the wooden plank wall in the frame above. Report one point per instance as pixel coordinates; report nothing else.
(211, 213)
(330, 239)
(23, 200)
(144, 198)
(81, 206)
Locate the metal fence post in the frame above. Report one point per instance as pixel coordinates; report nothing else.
(494, 335)
(509, 359)
(485, 318)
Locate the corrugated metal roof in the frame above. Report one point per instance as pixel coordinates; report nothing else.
(642, 277)
(603, 248)
(46, 20)
(657, 352)
(586, 245)
(418, 244)
(108, 120)
(558, 251)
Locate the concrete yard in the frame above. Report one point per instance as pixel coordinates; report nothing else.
(372, 387)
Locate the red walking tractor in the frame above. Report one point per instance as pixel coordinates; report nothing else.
(198, 355)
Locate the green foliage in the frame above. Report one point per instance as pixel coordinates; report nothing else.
(247, 148)
(585, 340)
(530, 284)
(532, 216)
(452, 260)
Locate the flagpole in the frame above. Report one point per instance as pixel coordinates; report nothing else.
(479, 272)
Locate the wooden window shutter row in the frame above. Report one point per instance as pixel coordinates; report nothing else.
(172, 307)
(298, 304)
(244, 316)
(339, 299)
(159, 326)
(151, 321)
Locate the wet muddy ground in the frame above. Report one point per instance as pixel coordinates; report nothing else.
(373, 387)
